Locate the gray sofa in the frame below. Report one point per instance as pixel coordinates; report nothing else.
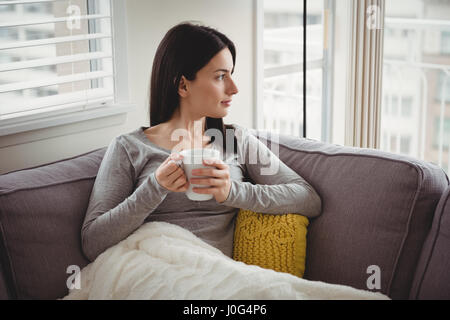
(379, 209)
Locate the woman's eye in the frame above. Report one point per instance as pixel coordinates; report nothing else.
(221, 76)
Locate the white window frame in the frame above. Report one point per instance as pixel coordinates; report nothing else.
(121, 104)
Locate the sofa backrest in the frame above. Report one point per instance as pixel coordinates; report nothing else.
(41, 213)
(432, 279)
(377, 210)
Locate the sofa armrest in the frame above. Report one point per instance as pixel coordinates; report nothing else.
(432, 279)
(41, 213)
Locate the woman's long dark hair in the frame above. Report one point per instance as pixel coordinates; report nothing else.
(184, 50)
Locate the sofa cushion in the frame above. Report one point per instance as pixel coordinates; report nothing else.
(41, 213)
(432, 279)
(377, 209)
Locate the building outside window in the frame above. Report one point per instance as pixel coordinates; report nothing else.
(416, 64)
(436, 134)
(445, 42)
(442, 88)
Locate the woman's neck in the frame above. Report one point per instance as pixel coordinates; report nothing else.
(190, 132)
(193, 128)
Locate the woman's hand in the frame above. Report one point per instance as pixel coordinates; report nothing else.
(170, 176)
(218, 178)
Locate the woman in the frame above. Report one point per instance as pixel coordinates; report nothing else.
(139, 181)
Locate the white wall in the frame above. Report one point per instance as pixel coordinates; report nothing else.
(148, 21)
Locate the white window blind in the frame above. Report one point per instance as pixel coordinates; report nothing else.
(56, 56)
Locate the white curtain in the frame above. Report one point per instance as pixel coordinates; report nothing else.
(365, 65)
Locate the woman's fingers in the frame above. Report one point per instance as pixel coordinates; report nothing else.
(217, 178)
(170, 175)
(212, 172)
(176, 173)
(171, 166)
(216, 163)
(219, 174)
(181, 182)
(207, 181)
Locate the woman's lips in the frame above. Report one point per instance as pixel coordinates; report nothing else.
(227, 103)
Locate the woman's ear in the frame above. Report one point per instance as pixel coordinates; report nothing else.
(183, 87)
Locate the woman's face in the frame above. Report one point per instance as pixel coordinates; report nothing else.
(212, 87)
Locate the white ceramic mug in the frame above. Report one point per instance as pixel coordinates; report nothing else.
(193, 159)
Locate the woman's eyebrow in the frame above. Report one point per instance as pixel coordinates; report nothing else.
(224, 70)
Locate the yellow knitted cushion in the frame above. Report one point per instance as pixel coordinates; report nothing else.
(271, 241)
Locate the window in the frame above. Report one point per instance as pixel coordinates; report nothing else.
(405, 145)
(392, 107)
(56, 58)
(443, 88)
(407, 107)
(416, 65)
(393, 143)
(281, 105)
(445, 133)
(445, 42)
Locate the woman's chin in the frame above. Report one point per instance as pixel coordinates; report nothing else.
(221, 114)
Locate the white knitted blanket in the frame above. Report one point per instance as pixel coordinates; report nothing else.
(164, 261)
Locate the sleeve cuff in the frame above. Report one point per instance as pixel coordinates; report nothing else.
(231, 195)
(151, 192)
(159, 189)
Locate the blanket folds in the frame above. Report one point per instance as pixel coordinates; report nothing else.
(164, 261)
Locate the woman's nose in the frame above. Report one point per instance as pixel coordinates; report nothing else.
(232, 89)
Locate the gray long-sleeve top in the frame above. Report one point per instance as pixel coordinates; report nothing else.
(126, 193)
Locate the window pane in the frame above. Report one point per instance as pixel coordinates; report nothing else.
(445, 42)
(405, 144)
(283, 58)
(443, 88)
(281, 103)
(416, 84)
